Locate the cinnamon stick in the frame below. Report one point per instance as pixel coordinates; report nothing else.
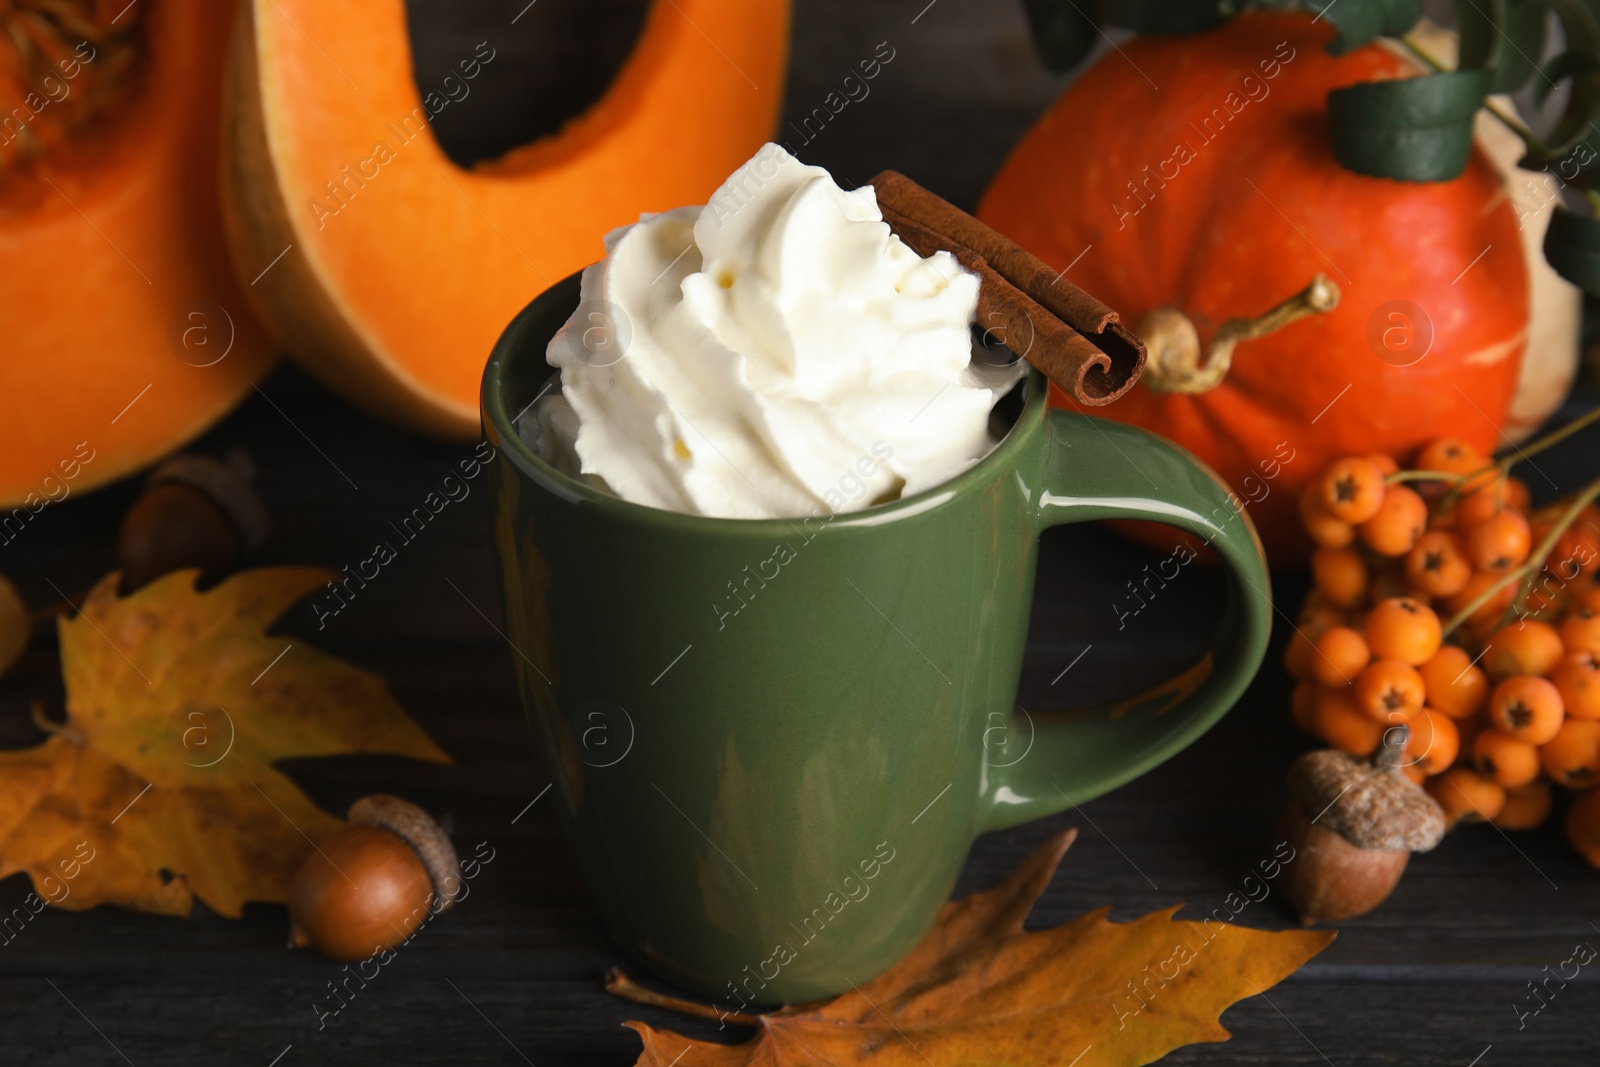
(1078, 342)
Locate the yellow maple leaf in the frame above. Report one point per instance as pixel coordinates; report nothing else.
(980, 989)
(178, 705)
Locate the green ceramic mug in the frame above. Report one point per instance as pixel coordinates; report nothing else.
(773, 741)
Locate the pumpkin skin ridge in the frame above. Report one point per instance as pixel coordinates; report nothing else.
(135, 214)
(1397, 240)
(505, 218)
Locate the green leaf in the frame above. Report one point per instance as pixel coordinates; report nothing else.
(1359, 21)
(1577, 119)
(1413, 129)
(1572, 245)
(1065, 31)
(1505, 37)
(1478, 24)
(1062, 32)
(1579, 22)
(1172, 16)
(1524, 28)
(1569, 64)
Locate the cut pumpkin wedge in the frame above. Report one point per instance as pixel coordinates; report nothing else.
(122, 331)
(399, 268)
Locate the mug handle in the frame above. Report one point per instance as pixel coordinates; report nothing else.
(1100, 469)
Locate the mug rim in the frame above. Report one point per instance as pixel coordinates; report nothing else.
(492, 410)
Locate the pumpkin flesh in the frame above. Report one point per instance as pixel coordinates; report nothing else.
(110, 240)
(403, 267)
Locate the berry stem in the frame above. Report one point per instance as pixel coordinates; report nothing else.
(1554, 437)
(1423, 476)
(1536, 559)
(1509, 459)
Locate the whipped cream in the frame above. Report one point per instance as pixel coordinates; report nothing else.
(776, 353)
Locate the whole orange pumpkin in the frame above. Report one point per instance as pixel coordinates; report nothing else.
(1194, 173)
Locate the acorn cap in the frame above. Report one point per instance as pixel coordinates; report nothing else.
(226, 483)
(1368, 802)
(417, 828)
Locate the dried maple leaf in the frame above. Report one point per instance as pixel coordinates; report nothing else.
(178, 703)
(978, 989)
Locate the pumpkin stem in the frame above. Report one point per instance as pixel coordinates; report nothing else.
(1175, 364)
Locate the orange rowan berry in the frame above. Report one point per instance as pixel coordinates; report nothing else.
(1527, 708)
(1318, 612)
(1572, 757)
(1403, 628)
(1499, 542)
(1464, 794)
(1517, 495)
(1587, 596)
(1505, 759)
(1450, 454)
(1469, 729)
(1525, 647)
(1490, 610)
(1539, 526)
(1302, 704)
(1455, 685)
(1414, 774)
(1339, 722)
(1340, 575)
(1399, 521)
(1341, 654)
(1388, 583)
(1576, 552)
(1324, 530)
(1583, 826)
(1526, 807)
(1546, 596)
(1433, 742)
(1476, 505)
(1383, 461)
(1351, 489)
(1438, 565)
(1390, 691)
(1577, 679)
(1580, 630)
(1298, 654)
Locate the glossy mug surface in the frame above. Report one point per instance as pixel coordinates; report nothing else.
(773, 741)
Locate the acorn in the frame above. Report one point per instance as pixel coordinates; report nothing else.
(195, 511)
(374, 883)
(1354, 824)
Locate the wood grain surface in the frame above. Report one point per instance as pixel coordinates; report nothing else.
(513, 974)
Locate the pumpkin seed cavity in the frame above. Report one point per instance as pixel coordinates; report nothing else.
(63, 64)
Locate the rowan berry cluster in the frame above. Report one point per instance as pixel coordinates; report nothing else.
(1444, 602)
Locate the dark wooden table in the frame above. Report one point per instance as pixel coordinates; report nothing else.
(513, 975)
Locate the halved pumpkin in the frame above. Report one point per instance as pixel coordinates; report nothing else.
(122, 331)
(400, 268)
